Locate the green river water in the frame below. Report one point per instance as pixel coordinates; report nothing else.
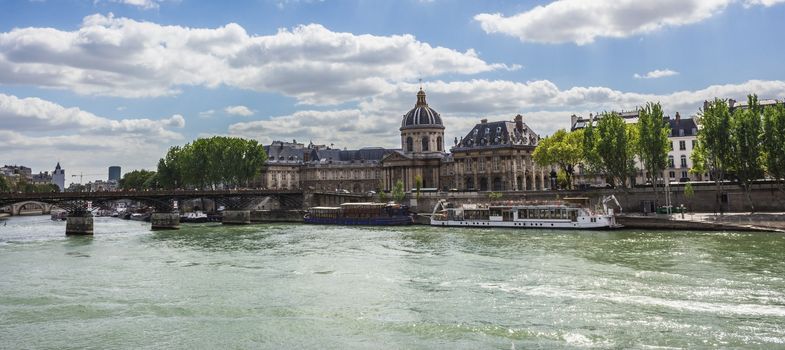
(290, 286)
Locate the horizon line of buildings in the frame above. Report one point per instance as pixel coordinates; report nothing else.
(492, 156)
(20, 174)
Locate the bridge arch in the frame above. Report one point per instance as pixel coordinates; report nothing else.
(17, 208)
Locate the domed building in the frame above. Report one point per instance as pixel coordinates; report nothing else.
(421, 129)
(422, 148)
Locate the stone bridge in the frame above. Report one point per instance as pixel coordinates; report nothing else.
(30, 207)
(237, 204)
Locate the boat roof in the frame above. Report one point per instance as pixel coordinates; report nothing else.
(363, 204)
(326, 208)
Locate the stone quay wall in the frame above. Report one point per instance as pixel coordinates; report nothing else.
(765, 197)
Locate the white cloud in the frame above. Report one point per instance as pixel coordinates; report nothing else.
(657, 73)
(766, 3)
(38, 133)
(239, 110)
(544, 105)
(123, 57)
(143, 4)
(581, 21)
(36, 115)
(207, 114)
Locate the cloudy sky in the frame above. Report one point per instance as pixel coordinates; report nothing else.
(94, 83)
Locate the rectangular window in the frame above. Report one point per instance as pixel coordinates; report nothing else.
(683, 162)
(671, 145)
(693, 144)
(482, 164)
(681, 132)
(496, 163)
(682, 145)
(672, 175)
(684, 175)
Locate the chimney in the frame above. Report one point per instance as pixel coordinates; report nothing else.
(573, 120)
(678, 118)
(731, 103)
(483, 121)
(519, 123)
(705, 105)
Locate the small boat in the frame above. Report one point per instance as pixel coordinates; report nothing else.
(194, 217)
(370, 214)
(569, 213)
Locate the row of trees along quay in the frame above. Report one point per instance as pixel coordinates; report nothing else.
(204, 163)
(743, 146)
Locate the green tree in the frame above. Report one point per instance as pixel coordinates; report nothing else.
(417, 185)
(689, 192)
(398, 193)
(210, 162)
(653, 143)
(564, 149)
(4, 186)
(745, 144)
(137, 180)
(774, 143)
(713, 152)
(495, 196)
(612, 148)
(380, 192)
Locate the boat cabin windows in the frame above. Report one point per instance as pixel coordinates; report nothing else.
(549, 213)
(476, 214)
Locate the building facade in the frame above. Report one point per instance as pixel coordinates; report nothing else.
(683, 138)
(493, 156)
(497, 156)
(58, 177)
(115, 173)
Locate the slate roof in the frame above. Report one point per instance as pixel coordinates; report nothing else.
(370, 154)
(421, 115)
(499, 133)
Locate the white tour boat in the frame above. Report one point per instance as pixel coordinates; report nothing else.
(569, 213)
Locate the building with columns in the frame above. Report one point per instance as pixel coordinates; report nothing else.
(422, 149)
(493, 156)
(497, 156)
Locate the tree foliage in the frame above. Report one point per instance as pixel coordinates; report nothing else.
(773, 142)
(610, 148)
(713, 153)
(4, 185)
(208, 162)
(564, 149)
(398, 193)
(417, 185)
(745, 145)
(138, 180)
(653, 143)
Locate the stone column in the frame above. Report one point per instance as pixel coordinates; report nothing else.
(165, 221)
(79, 225)
(236, 217)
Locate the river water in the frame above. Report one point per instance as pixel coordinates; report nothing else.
(295, 286)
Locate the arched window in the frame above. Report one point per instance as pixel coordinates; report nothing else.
(425, 143)
(683, 161)
(439, 143)
(409, 144)
(670, 161)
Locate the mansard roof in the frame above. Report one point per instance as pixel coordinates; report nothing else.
(499, 134)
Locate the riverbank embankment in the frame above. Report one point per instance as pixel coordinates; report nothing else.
(768, 222)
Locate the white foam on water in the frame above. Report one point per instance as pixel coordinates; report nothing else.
(682, 305)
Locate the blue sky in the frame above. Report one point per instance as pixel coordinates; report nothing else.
(116, 82)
